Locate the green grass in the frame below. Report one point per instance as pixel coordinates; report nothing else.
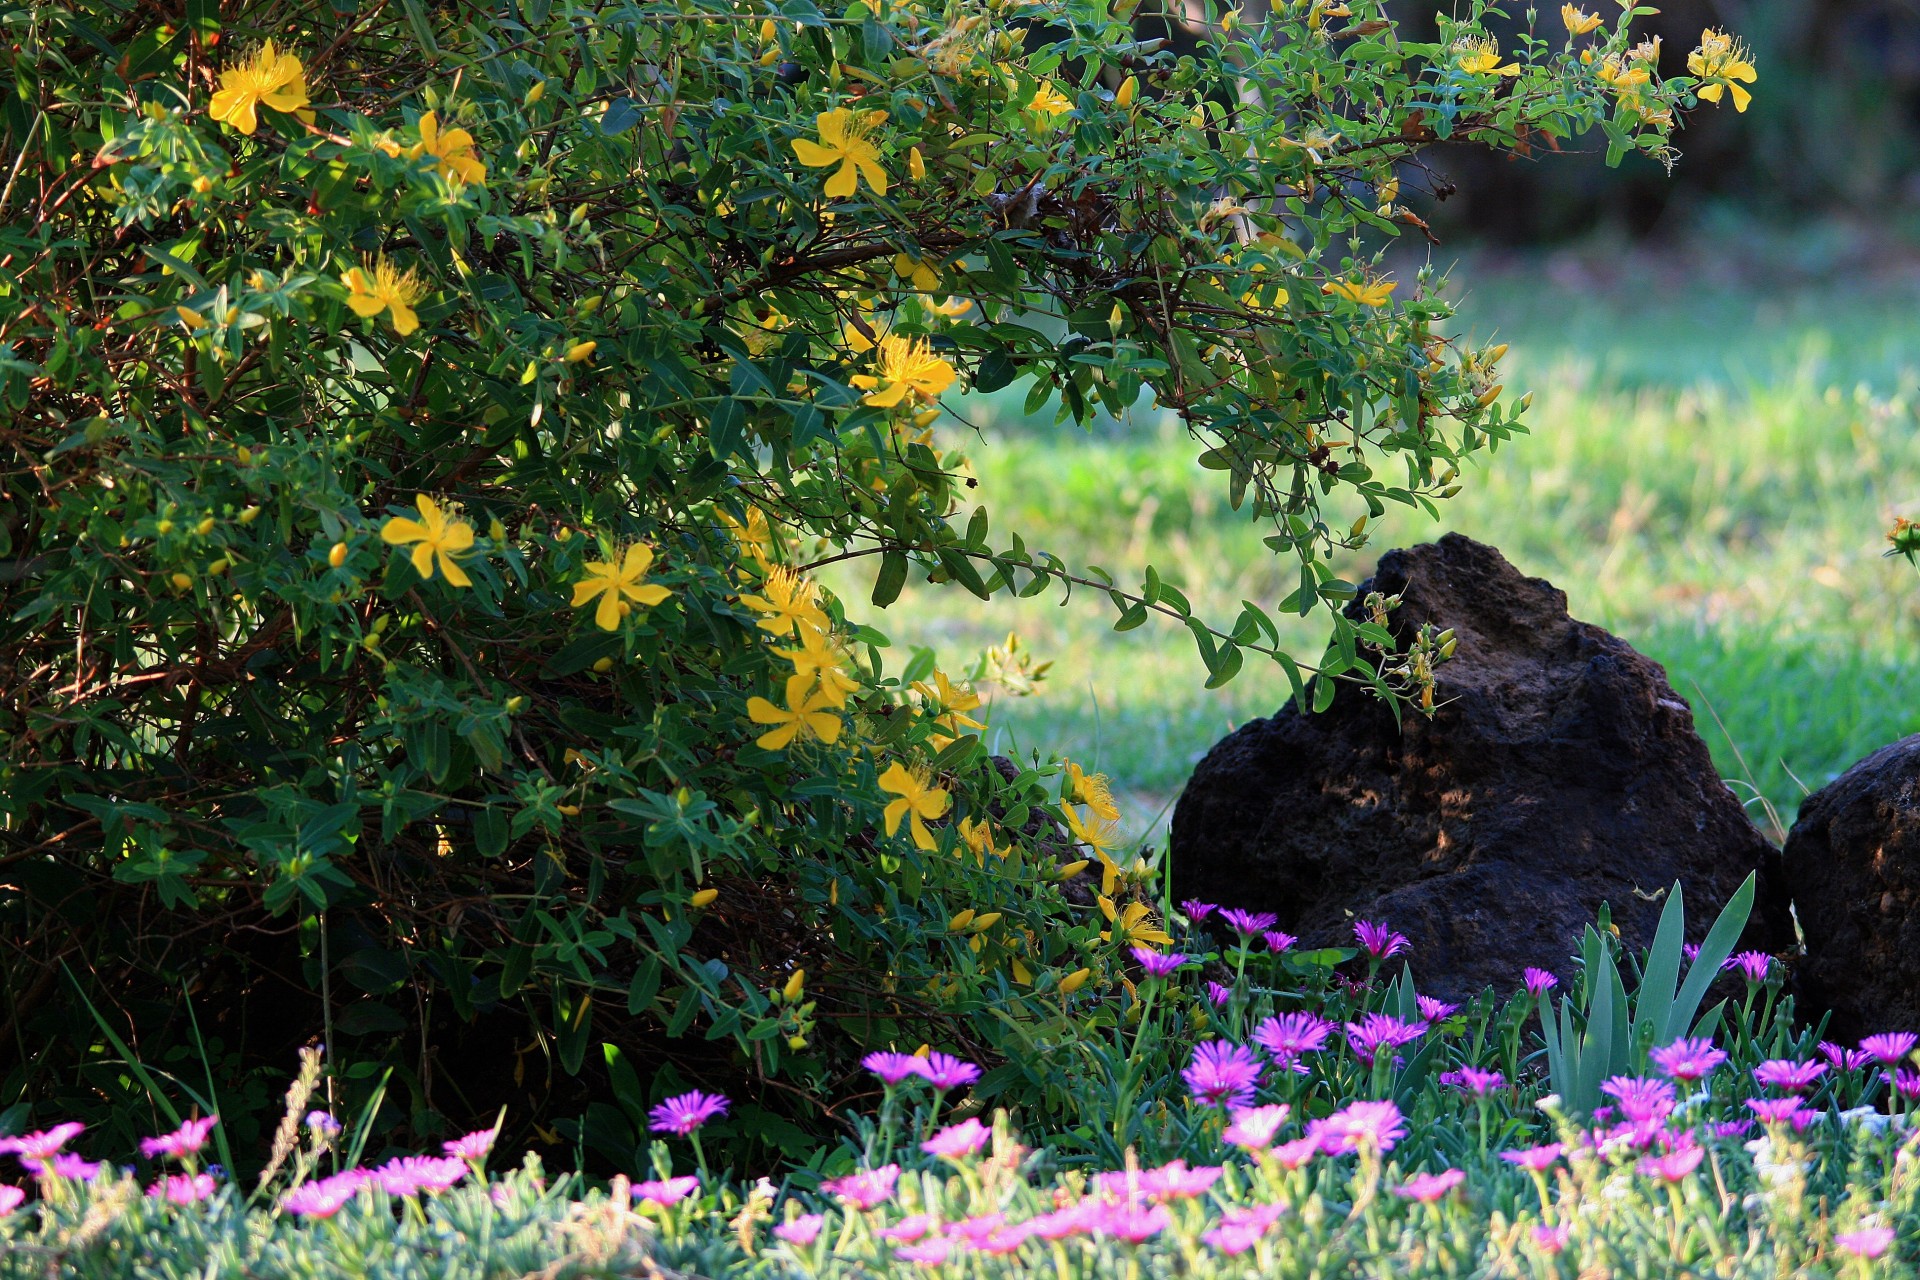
(1710, 473)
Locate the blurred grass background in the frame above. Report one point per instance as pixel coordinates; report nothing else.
(1721, 434)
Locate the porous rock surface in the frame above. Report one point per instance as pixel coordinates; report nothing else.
(1561, 771)
(1852, 866)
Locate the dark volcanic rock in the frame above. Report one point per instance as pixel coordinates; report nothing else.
(1852, 867)
(1562, 771)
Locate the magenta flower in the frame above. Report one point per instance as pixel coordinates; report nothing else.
(1286, 1036)
(182, 1142)
(473, 1146)
(1171, 1181)
(866, 1189)
(1753, 966)
(1156, 964)
(1552, 1240)
(1222, 996)
(43, 1145)
(1687, 1060)
(1380, 1032)
(1788, 1075)
(1360, 1125)
(1239, 1229)
(1277, 941)
(1641, 1099)
(801, 1231)
(1864, 1242)
(958, 1140)
(909, 1229)
(1905, 1083)
(1539, 982)
(682, 1114)
(1003, 1240)
(1886, 1048)
(665, 1191)
(67, 1164)
(928, 1253)
(11, 1198)
(1674, 1166)
(1222, 1074)
(1535, 1159)
(1291, 1155)
(1253, 1128)
(325, 1197)
(322, 1123)
(944, 1071)
(1843, 1058)
(1062, 1223)
(1475, 1081)
(1132, 1223)
(892, 1068)
(182, 1188)
(1249, 923)
(410, 1175)
(1197, 911)
(1731, 1128)
(1380, 941)
(1428, 1187)
(1435, 1010)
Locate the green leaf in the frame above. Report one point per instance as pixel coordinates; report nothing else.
(891, 579)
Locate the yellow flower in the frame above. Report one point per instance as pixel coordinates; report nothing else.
(581, 351)
(617, 583)
(951, 307)
(844, 141)
(704, 898)
(788, 602)
(916, 165)
(1621, 76)
(436, 538)
(919, 800)
(383, 287)
(817, 658)
(924, 275)
(268, 79)
(1100, 835)
(805, 715)
(1367, 295)
(952, 700)
(907, 367)
(978, 837)
(1074, 981)
(1049, 101)
(1123, 97)
(1578, 21)
(1093, 790)
(1480, 56)
(1722, 62)
(1134, 925)
(452, 150)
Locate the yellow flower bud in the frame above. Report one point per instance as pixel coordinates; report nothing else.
(217, 568)
(603, 665)
(796, 985)
(1488, 396)
(916, 164)
(563, 536)
(181, 580)
(766, 30)
(205, 526)
(573, 811)
(1128, 87)
(249, 515)
(516, 704)
(244, 454)
(796, 1043)
(164, 526)
(1074, 981)
(337, 554)
(1073, 869)
(535, 93)
(580, 351)
(202, 184)
(960, 921)
(704, 898)
(983, 923)
(191, 319)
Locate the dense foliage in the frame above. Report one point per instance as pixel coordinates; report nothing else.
(423, 425)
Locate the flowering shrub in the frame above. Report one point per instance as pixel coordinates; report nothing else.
(426, 424)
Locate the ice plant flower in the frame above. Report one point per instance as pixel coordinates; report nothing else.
(892, 1068)
(183, 1188)
(1240, 1228)
(1197, 911)
(1157, 964)
(618, 584)
(1788, 1075)
(1277, 941)
(451, 149)
(1253, 1128)
(1687, 1060)
(1130, 1222)
(268, 79)
(1905, 1083)
(864, 1190)
(1641, 1099)
(1220, 994)
(1222, 1074)
(1864, 1242)
(1287, 1036)
(1249, 923)
(845, 140)
(910, 1228)
(472, 1146)
(956, 1140)
(70, 1165)
(1889, 1047)
(326, 1196)
(908, 367)
(43, 1144)
(436, 538)
(1843, 1058)
(380, 286)
(1379, 941)
(665, 1191)
(1535, 1159)
(801, 1231)
(182, 1142)
(1539, 982)
(1674, 1166)
(682, 1114)
(1577, 21)
(928, 1253)
(1477, 1082)
(1381, 1032)
(944, 1071)
(1374, 1126)
(1428, 1187)
(1775, 1110)
(806, 715)
(1435, 1010)
(11, 1198)
(410, 1175)
(1753, 966)
(322, 1122)
(1551, 1240)
(1723, 64)
(918, 800)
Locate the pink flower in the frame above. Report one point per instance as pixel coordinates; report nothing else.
(182, 1142)
(1197, 911)
(1435, 1010)
(1753, 966)
(11, 1198)
(1786, 1074)
(1290, 1035)
(1249, 923)
(944, 1071)
(1687, 1060)
(1535, 1159)
(1222, 1074)
(1221, 995)
(473, 1146)
(865, 1189)
(1240, 1229)
(1886, 1048)
(1675, 1165)
(907, 1230)
(1156, 964)
(1380, 941)
(1539, 982)
(42, 1145)
(928, 1253)
(1253, 1128)
(1062, 1223)
(1292, 1155)
(957, 1140)
(1003, 1240)
(1641, 1099)
(1551, 1240)
(1277, 941)
(66, 1164)
(1905, 1083)
(1428, 1187)
(1865, 1242)
(1775, 1110)
(1171, 1181)
(410, 1175)
(1371, 1125)
(665, 1191)
(324, 1198)
(1474, 1081)
(1132, 1223)
(1380, 1032)
(1843, 1058)
(970, 1231)
(682, 1114)
(801, 1231)
(182, 1188)
(892, 1068)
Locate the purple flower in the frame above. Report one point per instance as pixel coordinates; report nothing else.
(1380, 942)
(1249, 923)
(1843, 1058)
(1156, 964)
(184, 1141)
(1535, 1159)
(1674, 1166)
(928, 1253)
(1291, 1155)
(1428, 1187)
(42, 1145)
(1687, 1060)
(324, 1198)
(957, 1140)
(1277, 941)
(801, 1231)
(1373, 1125)
(11, 1198)
(1222, 996)
(1435, 1010)
(892, 1068)
(1286, 1036)
(182, 1188)
(1477, 1082)
(1129, 1222)
(1197, 911)
(1753, 966)
(1691, 950)
(1641, 1099)
(1788, 1075)
(1886, 1048)
(1552, 1240)
(1222, 1074)
(1240, 1228)
(665, 1191)
(1253, 1128)
(1775, 1110)
(1905, 1083)
(909, 1229)
(66, 1164)
(1865, 1242)
(1731, 1128)
(410, 1175)
(1380, 1032)
(323, 1123)
(866, 1189)
(682, 1114)
(944, 1071)
(1539, 982)
(472, 1146)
